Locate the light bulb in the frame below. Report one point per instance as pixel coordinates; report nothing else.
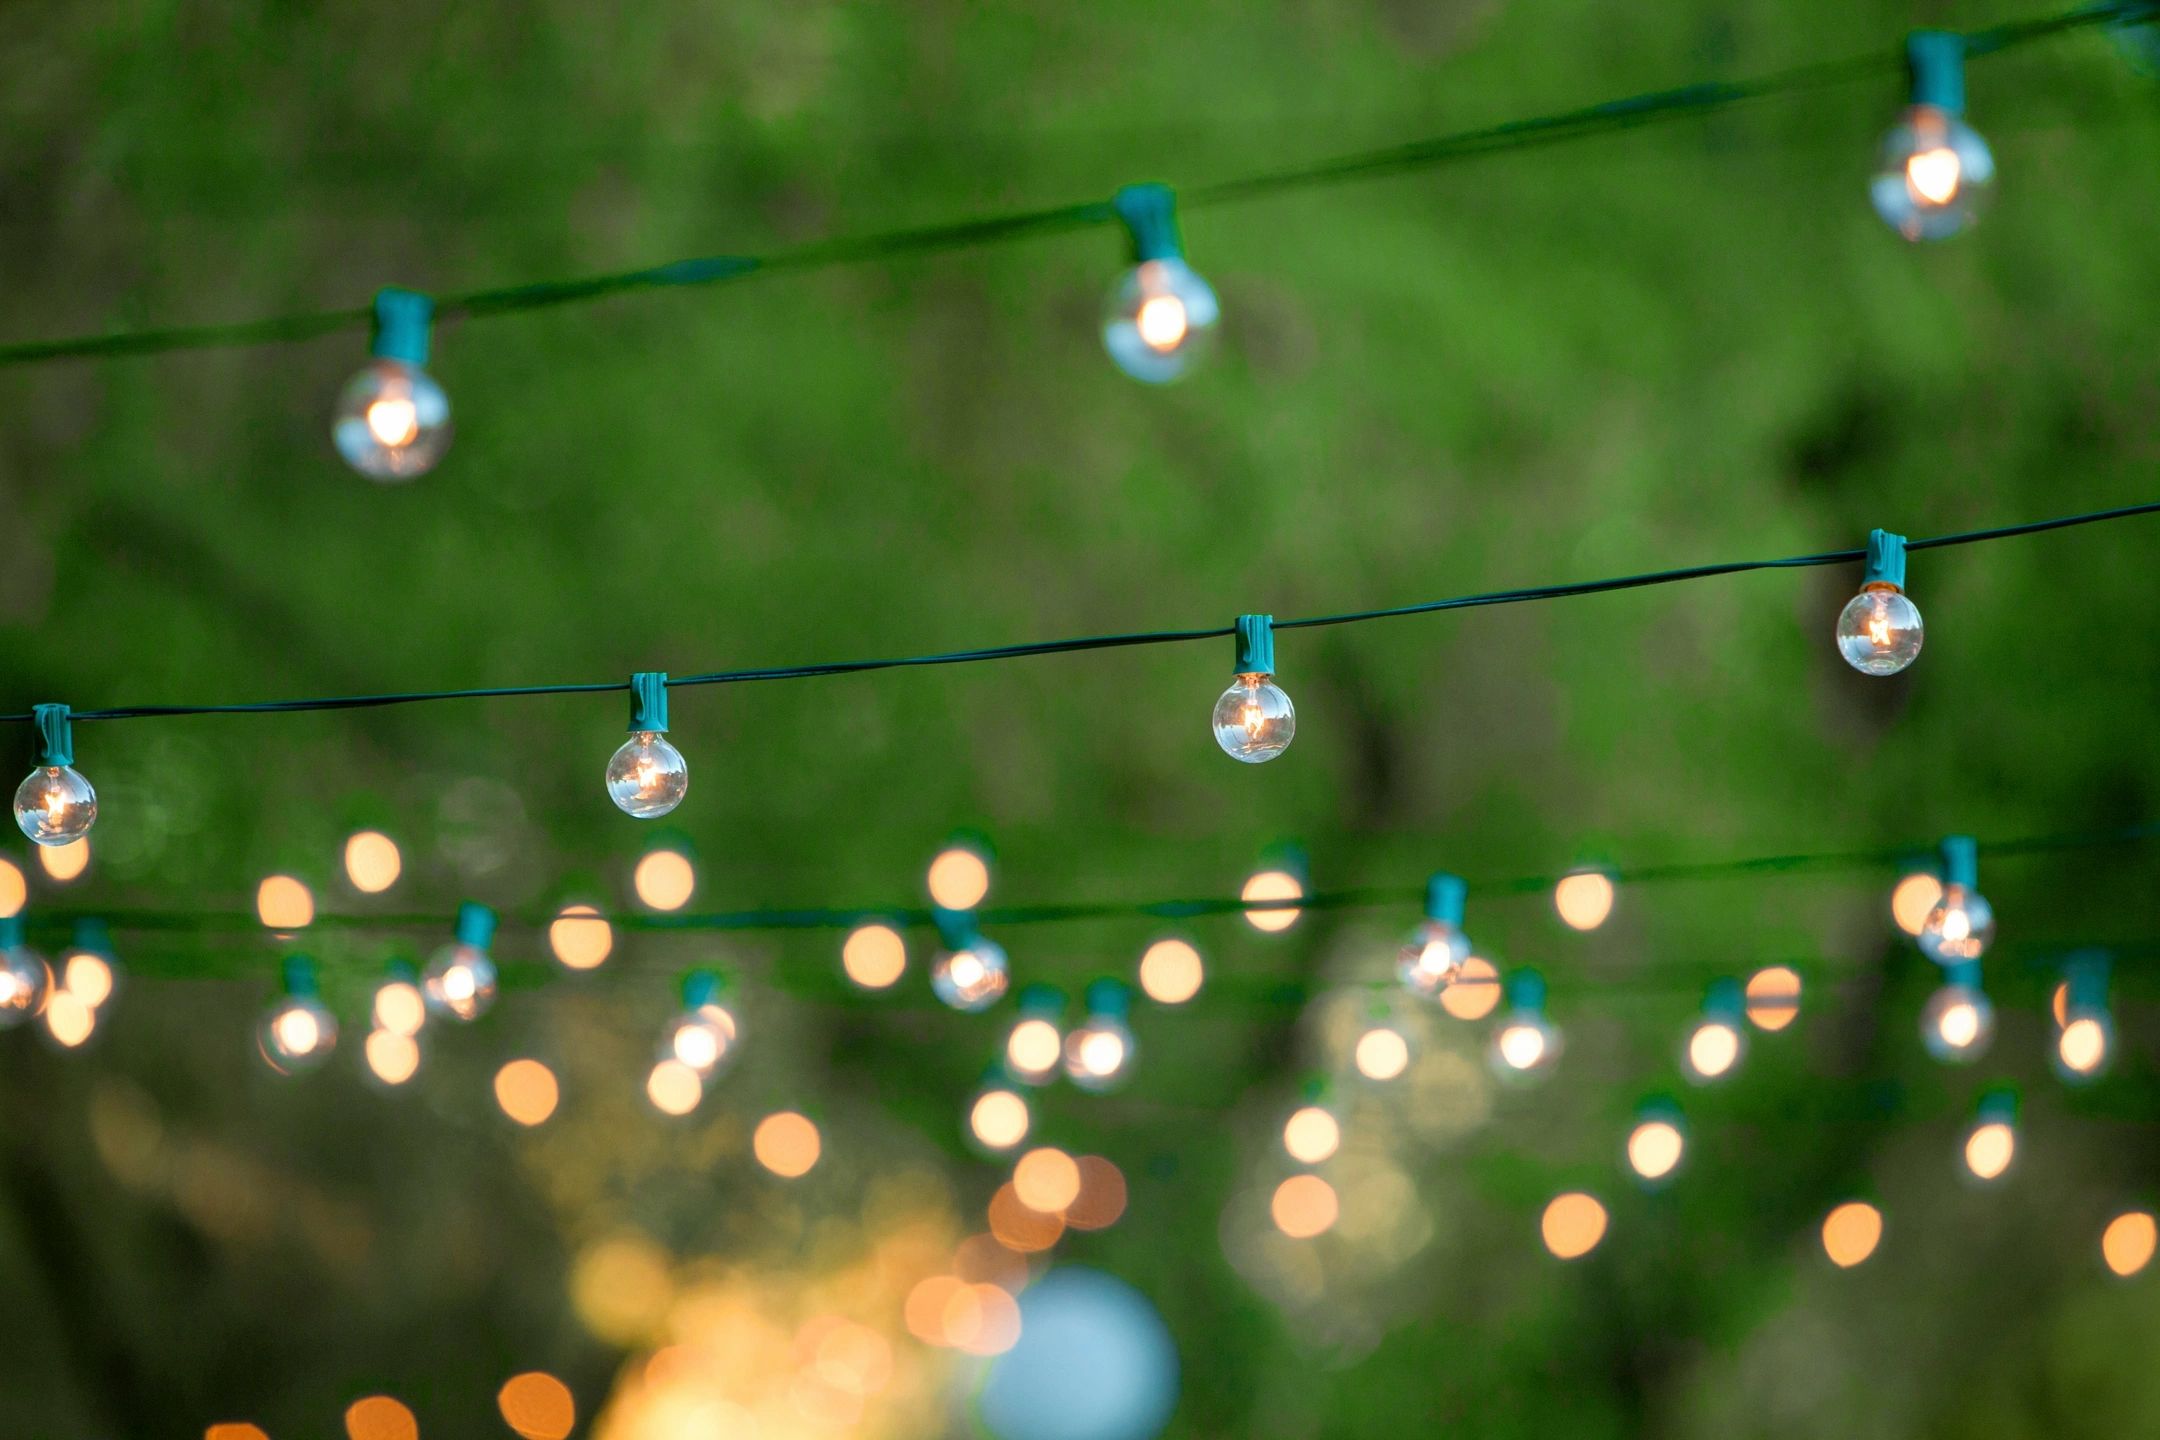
(399, 1007)
(647, 776)
(1033, 1047)
(971, 977)
(1959, 927)
(55, 805)
(1382, 1052)
(1989, 1148)
(460, 981)
(89, 976)
(1099, 1053)
(1311, 1135)
(1254, 719)
(392, 421)
(1523, 1044)
(999, 1119)
(2082, 1046)
(25, 979)
(391, 1058)
(1713, 1048)
(298, 1034)
(1879, 631)
(702, 1039)
(1429, 962)
(1655, 1147)
(1934, 174)
(1160, 320)
(1958, 1022)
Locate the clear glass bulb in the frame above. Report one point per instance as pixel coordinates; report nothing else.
(1957, 1023)
(1099, 1054)
(460, 981)
(1934, 173)
(1879, 631)
(1958, 928)
(1254, 719)
(972, 978)
(392, 421)
(1159, 321)
(704, 1039)
(55, 805)
(1526, 1044)
(647, 776)
(1432, 958)
(25, 985)
(298, 1034)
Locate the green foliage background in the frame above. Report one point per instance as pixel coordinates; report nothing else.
(1679, 345)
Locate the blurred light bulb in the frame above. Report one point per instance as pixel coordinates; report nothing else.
(69, 1019)
(65, 862)
(298, 1034)
(392, 421)
(874, 956)
(959, 878)
(1521, 1044)
(702, 1038)
(88, 976)
(971, 977)
(1311, 1135)
(2082, 1046)
(1475, 992)
(392, 1057)
(14, 889)
(1382, 1053)
(284, 904)
(1915, 896)
(1254, 719)
(1171, 972)
(664, 879)
(999, 1118)
(1989, 1149)
(580, 937)
(1773, 997)
(1272, 885)
(1958, 1022)
(1160, 320)
(1713, 1049)
(1032, 1049)
(647, 776)
(1099, 1053)
(25, 979)
(1879, 632)
(1959, 927)
(460, 980)
(55, 805)
(2128, 1242)
(1584, 899)
(399, 1007)
(674, 1088)
(1934, 174)
(372, 862)
(1429, 962)
(1654, 1148)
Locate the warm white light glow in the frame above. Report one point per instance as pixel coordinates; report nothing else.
(1851, 1232)
(14, 889)
(1959, 1024)
(65, 862)
(284, 904)
(1475, 991)
(2082, 1045)
(296, 1031)
(1161, 322)
(580, 937)
(88, 977)
(372, 862)
(874, 956)
(69, 1018)
(1654, 1148)
(1521, 1046)
(999, 1119)
(1171, 972)
(786, 1144)
(1914, 897)
(674, 1088)
(1382, 1053)
(1712, 1049)
(391, 1056)
(400, 1008)
(1033, 1047)
(394, 420)
(1933, 175)
(1047, 1180)
(1584, 899)
(665, 879)
(1272, 885)
(697, 1046)
(527, 1091)
(1304, 1206)
(1311, 1135)
(1572, 1225)
(959, 878)
(2128, 1242)
(1989, 1149)
(1773, 997)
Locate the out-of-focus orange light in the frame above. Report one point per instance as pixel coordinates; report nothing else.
(959, 878)
(1474, 992)
(1311, 1135)
(982, 1320)
(284, 904)
(664, 879)
(1382, 1053)
(1171, 972)
(1851, 1232)
(581, 937)
(65, 862)
(1912, 899)
(1572, 1225)
(674, 1088)
(999, 1119)
(378, 1417)
(372, 862)
(2128, 1242)
(527, 1091)
(1102, 1195)
(69, 1018)
(14, 889)
(874, 956)
(392, 1057)
(1272, 885)
(1304, 1206)
(1773, 997)
(537, 1406)
(1584, 899)
(1019, 1227)
(1047, 1180)
(786, 1143)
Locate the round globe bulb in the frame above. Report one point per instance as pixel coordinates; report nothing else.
(971, 978)
(1099, 1054)
(55, 805)
(392, 422)
(1958, 928)
(1429, 962)
(460, 981)
(1879, 631)
(1254, 719)
(1957, 1023)
(1525, 1045)
(1934, 175)
(1032, 1049)
(298, 1034)
(1160, 320)
(646, 776)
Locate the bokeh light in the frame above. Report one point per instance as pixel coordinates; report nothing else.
(69, 1018)
(2082, 1046)
(2128, 1242)
(527, 1091)
(1912, 899)
(664, 879)
(787, 1144)
(1382, 1053)
(1272, 885)
(1851, 1232)
(1572, 1225)
(581, 938)
(1047, 1180)
(284, 904)
(1102, 1195)
(537, 1406)
(1311, 1135)
(65, 862)
(14, 889)
(1171, 972)
(874, 956)
(1304, 1206)
(88, 977)
(959, 878)
(674, 1088)
(1773, 997)
(621, 1288)
(981, 1320)
(1584, 899)
(1989, 1149)
(985, 1260)
(378, 1417)
(1654, 1148)
(1713, 1048)
(1094, 1361)
(2059, 1003)
(392, 1057)
(924, 1310)
(1032, 1048)
(1021, 1227)
(372, 862)
(999, 1119)
(1474, 992)
(235, 1430)
(399, 1007)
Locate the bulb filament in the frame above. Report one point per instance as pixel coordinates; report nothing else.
(1933, 174)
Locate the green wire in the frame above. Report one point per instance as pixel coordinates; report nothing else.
(1606, 117)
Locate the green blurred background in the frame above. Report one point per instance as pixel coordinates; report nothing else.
(1685, 344)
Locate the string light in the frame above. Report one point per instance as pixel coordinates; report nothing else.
(1100, 1052)
(580, 937)
(1715, 1042)
(787, 1143)
(1254, 720)
(1382, 1051)
(646, 776)
(299, 1032)
(1879, 631)
(68, 1019)
(1990, 1142)
(1935, 169)
(1270, 888)
(392, 421)
(1773, 997)
(673, 1087)
(1913, 899)
(372, 862)
(460, 980)
(55, 805)
(1160, 318)
(2127, 1245)
(527, 1091)
(1035, 1043)
(664, 879)
(391, 1058)
(1304, 1206)
(1958, 1021)
(1584, 899)
(970, 971)
(89, 970)
(25, 979)
(1171, 971)
(1526, 1044)
(284, 904)
(999, 1117)
(1476, 991)
(1312, 1134)
(1851, 1232)
(1657, 1144)
(1962, 924)
(2086, 1042)
(874, 956)
(959, 875)
(1433, 956)
(704, 1036)
(398, 1006)
(1572, 1225)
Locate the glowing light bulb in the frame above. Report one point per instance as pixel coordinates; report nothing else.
(372, 862)
(970, 975)
(1962, 923)
(1989, 1149)
(1272, 886)
(1033, 1048)
(68, 1018)
(55, 805)
(87, 969)
(704, 1036)
(1713, 1048)
(1933, 176)
(1160, 318)
(674, 1088)
(1311, 1135)
(874, 956)
(1958, 1020)
(1655, 1147)
(1171, 971)
(391, 1058)
(1254, 719)
(399, 1007)
(1773, 997)
(647, 777)
(2081, 1048)
(1584, 899)
(25, 979)
(1000, 1118)
(1913, 899)
(1526, 1044)
(1100, 1052)
(392, 421)
(1382, 1052)
(1433, 956)
(298, 1033)
(460, 980)
(1880, 631)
